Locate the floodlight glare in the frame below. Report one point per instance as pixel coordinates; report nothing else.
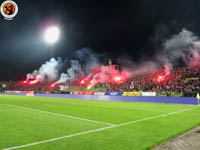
(52, 34)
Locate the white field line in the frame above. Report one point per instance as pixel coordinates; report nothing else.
(100, 129)
(62, 115)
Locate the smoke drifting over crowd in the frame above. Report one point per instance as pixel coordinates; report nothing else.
(183, 47)
(74, 72)
(84, 60)
(179, 49)
(48, 71)
(79, 67)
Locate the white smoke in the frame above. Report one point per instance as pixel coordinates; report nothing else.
(88, 58)
(183, 46)
(181, 41)
(48, 71)
(63, 78)
(142, 67)
(79, 67)
(75, 71)
(180, 49)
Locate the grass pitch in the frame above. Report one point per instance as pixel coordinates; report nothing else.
(38, 123)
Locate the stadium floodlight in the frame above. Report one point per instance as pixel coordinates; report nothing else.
(52, 34)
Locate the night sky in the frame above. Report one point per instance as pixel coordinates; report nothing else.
(134, 28)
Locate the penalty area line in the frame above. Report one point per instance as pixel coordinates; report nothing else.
(100, 129)
(61, 115)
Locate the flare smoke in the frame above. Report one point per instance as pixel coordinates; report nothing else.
(48, 71)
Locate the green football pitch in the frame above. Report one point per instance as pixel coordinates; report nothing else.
(38, 123)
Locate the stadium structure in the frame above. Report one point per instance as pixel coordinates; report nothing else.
(107, 108)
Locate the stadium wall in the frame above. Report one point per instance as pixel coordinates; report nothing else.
(149, 99)
(20, 94)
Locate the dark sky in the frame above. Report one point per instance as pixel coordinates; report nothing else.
(111, 27)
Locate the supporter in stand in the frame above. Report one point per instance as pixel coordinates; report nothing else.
(181, 82)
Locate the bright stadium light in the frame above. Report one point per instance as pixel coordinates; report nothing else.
(52, 34)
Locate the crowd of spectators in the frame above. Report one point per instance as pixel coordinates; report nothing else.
(19, 86)
(181, 81)
(178, 82)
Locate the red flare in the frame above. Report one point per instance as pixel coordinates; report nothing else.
(34, 82)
